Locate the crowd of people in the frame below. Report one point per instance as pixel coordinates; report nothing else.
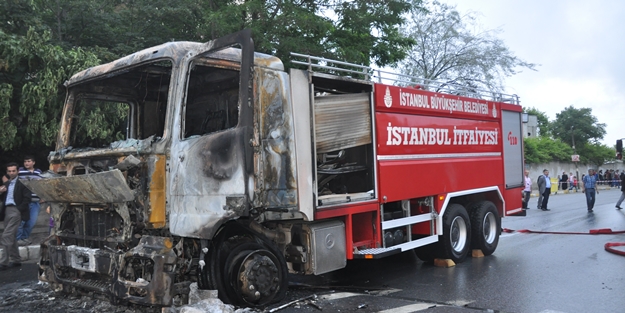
(19, 209)
(589, 185)
(611, 178)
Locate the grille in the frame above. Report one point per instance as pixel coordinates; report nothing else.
(100, 286)
(90, 226)
(102, 224)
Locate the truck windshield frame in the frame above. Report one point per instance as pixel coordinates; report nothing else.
(127, 104)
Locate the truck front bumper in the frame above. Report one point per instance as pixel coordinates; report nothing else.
(108, 272)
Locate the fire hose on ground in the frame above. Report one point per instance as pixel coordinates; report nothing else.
(601, 231)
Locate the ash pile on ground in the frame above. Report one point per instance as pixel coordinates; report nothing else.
(39, 297)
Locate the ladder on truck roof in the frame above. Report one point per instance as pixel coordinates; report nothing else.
(372, 74)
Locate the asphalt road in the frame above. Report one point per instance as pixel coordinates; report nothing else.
(528, 273)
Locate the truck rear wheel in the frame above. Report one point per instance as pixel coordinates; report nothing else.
(486, 227)
(455, 241)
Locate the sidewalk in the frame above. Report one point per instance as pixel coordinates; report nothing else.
(39, 233)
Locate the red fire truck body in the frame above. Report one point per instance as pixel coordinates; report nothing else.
(232, 172)
(441, 146)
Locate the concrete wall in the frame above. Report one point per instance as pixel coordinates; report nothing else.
(556, 168)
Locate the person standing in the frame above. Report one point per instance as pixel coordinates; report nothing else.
(572, 182)
(564, 181)
(544, 189)
(15, 200)
(600, 178)
(620, 200)
(29, 172)
(608, 177)
(528, 190)
(590, 188)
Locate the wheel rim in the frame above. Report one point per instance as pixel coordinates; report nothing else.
(458, 234)
(257, 277)
(489, 228)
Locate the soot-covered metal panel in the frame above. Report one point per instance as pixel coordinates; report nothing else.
(205, 171)
(102, 187)
(277, 161)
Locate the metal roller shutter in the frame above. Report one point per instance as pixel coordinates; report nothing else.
(342, 121)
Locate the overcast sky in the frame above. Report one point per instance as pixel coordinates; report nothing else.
(580, 46)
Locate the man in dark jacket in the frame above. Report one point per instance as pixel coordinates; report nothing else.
(620, 200)
(15, 200)
(544, 190)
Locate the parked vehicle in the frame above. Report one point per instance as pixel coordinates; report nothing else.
(232, 172)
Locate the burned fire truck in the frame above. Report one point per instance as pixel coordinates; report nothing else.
(231, 172)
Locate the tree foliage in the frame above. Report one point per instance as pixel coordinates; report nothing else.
(357, 31)
(577, 125)
(595, 153)
(31, 75)
(450, 47)
(571, 125)
(545, 149)
(42, 43)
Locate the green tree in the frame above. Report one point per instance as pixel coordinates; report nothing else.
(595, 153)
(571, 125)
(19, 16)
(42, 43)
(355, 31)
(545, 149)
(114, 28)
(450, 47)
(577, 125)
(31, 75)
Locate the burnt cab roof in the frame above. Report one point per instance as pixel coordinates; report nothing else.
(171, 50)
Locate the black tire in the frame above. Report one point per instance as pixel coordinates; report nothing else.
(225, 258)
(485, 227)
(455, 242)
(217, 277)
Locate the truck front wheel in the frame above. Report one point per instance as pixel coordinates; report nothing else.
(255, 276)
(455, 243)
(246, 272)
(486, 227)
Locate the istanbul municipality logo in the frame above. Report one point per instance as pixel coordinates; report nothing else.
(388, 100)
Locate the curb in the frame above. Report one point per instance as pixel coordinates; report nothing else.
(27, 253)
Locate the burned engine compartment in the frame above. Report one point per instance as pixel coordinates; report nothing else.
(111, 247)
(100, 225)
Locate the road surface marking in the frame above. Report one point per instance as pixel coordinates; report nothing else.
(384, 292)
(339, 295)
(410, 308)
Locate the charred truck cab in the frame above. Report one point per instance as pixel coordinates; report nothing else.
(230, 172)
